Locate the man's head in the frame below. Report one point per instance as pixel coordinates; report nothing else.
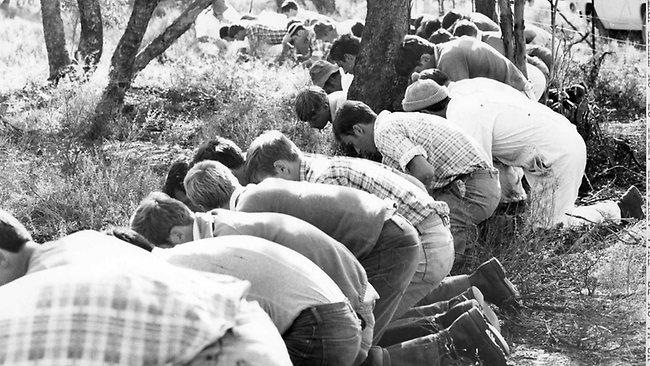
(326, 75)
(428, 25)
(272, 154)
(210, 184)
(289, 8)
(237, 32)
(162, 220)
(224, 151)
(16, 248)
(441, 36)
(436, 75)
(354, 125)
(465, 27)
(425, 95)
(223, 33)
(325, 31)
(313, 106)
(357, 29)
(414, 55)
(450, 18)
(174, 181)
(130, 236)
(296, 32)
(344, 51)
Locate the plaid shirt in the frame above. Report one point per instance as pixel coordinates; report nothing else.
(101, 314)
(400, 137)
(366, 175)
(259, 33)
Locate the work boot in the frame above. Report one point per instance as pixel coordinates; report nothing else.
(631, 204)
(470, 332)
(446, 319)
(440, 307)
(490, 278)
(473, 293)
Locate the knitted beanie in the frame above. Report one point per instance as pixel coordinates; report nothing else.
(422, 94)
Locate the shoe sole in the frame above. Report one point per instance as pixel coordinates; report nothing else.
(496, 340)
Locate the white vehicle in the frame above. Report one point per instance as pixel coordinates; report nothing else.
(627, 15)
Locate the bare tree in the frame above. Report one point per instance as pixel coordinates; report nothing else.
(512, 35)
(122, 71)
(375, 81)
(488, 8)
(57, 54)
(170, 35)
(91, 40)
(520, 39)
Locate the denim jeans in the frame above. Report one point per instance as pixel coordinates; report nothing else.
(428, 350)
(390, 266)
(324, 335)
(471, 199)
(436, 260)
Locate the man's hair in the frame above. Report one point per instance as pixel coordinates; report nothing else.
(175, 176)
(436, 75)
(409, 53)
(287, 6)
(157, 214)
(350, 113)
(357, 29)
(465, 27)
(222, 150)
(310, 100)
(234, 29)
(322, 28)
(223, 32)
(438, 106)
(265, 150)
(450, 18)
(345, 44)
(440, 36)
(428, 25)
(209, 184)
(13, 235)
(130, 236)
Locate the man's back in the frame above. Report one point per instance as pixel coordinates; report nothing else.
(352, 217)
(283, 281)
(328, 254)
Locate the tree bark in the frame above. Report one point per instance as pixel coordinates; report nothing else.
(91, 40)
(375, 81)
(507, 29)
(57, 54)
(122, 71)
(170, 35)
(325, 6)
(520, 39)
(488, 8)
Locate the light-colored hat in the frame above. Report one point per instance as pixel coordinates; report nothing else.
(422, 94)
(320, 71)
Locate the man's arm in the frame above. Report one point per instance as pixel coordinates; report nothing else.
(420, 168)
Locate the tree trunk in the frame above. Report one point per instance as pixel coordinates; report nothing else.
(375, 81)
(325, 6)
(520, 39)
(57, 54)
(488, 8)
(441, 7)
(91, 40)
(122, 71)
(170, 35)
(507, 29)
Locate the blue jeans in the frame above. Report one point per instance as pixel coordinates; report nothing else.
(390, 266)
(323, 335)
(471, 204)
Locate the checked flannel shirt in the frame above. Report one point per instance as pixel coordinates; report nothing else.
(112, 314)
(382, 181)
(260, 33)
(400, 137)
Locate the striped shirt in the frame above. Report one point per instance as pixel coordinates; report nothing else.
(412, 202)
(400, 137)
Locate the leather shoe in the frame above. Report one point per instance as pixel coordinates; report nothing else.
(471, 332)
(490, 278)
(631, 204)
